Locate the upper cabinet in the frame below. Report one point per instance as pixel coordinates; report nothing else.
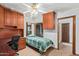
(1, 17)
(14, 18)
(49, 20)
(10, 18)
(20, 21)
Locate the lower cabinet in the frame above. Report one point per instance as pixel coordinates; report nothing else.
(21, 43)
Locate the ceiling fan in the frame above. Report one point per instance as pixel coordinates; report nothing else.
(34, 8)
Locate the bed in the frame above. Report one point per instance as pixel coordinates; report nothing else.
(42, 44)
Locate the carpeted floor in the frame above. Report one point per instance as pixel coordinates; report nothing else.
(63, 51)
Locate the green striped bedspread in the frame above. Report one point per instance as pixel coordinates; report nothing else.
(38, 42)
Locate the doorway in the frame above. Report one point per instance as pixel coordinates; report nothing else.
(65, 32)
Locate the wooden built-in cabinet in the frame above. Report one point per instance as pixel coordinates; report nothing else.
(14, 18)
(21, 43)
(8, 19)
(11, 20)
(20, 21)
(1, 17)
(11, 24)
(49, 20)
(20, 32)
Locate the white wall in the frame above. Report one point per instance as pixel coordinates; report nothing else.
(33, 29)
(70, 21)
(25, 18)
(70, 13)
(52, 36)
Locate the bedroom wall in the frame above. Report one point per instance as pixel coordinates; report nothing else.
(33, 29)
(52, 35)
(25, 18)
(70, 13)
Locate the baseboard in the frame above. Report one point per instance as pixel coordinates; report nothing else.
(69, 44)
(77, 52)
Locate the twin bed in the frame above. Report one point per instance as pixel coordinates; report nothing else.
(42, 44)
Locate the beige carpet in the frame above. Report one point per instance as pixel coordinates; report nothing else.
(63, 51)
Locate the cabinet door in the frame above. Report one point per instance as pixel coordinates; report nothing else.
(45, 21)
(14, 18)
(21, 44)
(8, 17)
(49, 20)
(20, 21)
(1, 17)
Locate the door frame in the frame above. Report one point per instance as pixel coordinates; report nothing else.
(74, 32)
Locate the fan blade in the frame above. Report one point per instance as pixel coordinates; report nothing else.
(26, 11)
(27, 5)
(41, 11)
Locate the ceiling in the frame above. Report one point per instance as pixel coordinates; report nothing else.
(58, 7)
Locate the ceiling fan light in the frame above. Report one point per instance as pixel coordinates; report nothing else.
(38, 6)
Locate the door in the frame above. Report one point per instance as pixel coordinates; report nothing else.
(65, 32)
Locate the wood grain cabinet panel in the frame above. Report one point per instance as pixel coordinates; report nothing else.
(20, 32)
(44, 21)
(14, 18)
(8, 17)
(20, 21)
(49, 20)
(22, 43)
(1, 17)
